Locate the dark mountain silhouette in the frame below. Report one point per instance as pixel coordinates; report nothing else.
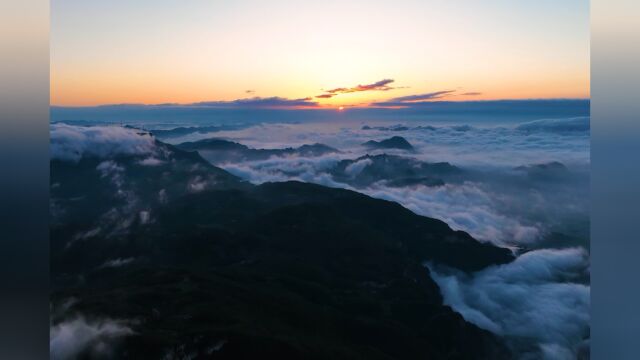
(393, 170)
(550, 171)
(220, 151)
(186, 130)
(282, 270)
(386, 128)
(396, 142)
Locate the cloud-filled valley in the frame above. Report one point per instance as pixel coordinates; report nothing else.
(540, 299)
(497, 198)
(522, 185)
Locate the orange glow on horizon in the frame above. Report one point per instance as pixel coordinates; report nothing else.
(162, 52)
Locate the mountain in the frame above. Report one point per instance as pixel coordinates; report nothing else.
(187, 130)
(549, 171)
(200, 264)
(386, 128)
(220, 151)
(96, 191)
(393, 170)
(396, 142)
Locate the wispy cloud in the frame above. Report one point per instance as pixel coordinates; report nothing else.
(423, 97)
(415, 99)
(382, 85)
(260, 102)
(72, 338)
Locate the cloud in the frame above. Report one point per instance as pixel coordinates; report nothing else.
(491, 212)
(71, 338)
(414, 100)
(578, 124)
(249, 91)
(151, 161)
(224, 114)
(356, 168)
(466, 207)
(422, 97)
(382, 85)
(471, 93)
(115, 263)
(260, 102)
(537, 300)
(72, 143)
(199, 184)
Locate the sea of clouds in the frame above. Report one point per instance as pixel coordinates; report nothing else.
(496, 203)
(540, 302)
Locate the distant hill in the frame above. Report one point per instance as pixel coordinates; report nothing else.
(219, 151)
(549, 171)
(396, 142)
(182, 131)
(393, 170)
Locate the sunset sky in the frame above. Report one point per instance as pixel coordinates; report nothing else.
(347, 52)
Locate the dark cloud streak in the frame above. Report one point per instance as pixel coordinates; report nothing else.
(260, 102)
(382, 85)
(423, 97)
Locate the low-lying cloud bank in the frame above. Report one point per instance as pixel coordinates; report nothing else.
(95, 337)
(500, 204)
(580, 124)
(274, 109)
(515, 215)
(500, 199)
(71, 143)
(539, 299)
(504, 145)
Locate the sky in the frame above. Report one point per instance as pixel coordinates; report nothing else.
(350, 53)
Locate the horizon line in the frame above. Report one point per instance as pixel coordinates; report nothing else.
(233, 104)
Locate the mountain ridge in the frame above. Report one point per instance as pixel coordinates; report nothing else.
(199, 259)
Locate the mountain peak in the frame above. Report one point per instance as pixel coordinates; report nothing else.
(395, 142)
